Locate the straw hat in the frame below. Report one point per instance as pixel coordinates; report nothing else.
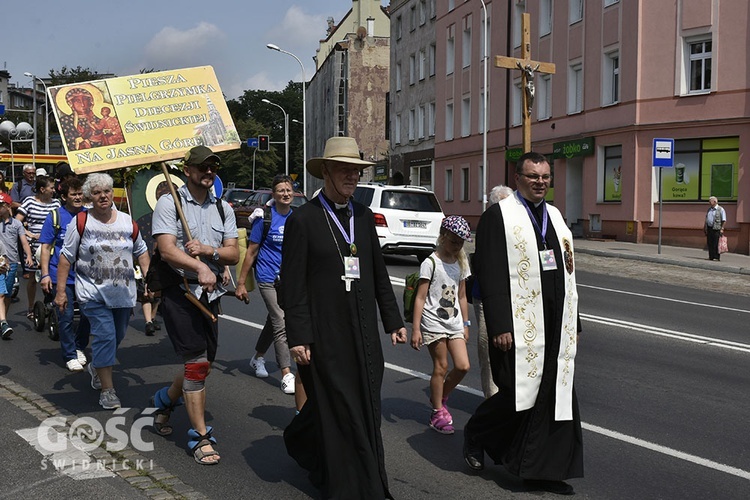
(339, 150)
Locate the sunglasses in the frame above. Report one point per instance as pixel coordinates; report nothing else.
(203, 167)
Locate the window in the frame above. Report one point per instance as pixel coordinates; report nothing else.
(466, 116)
(466, 43)
(575, 89)
(412, 117)
(449, 121)
(399, 27)
(451, 5)
(413, 18)
(448, 184)
(517, 28)
(700, 66)
(420, 121)
(431, 119)
(545, 17)
(422, 12)
(703, 168)
(576, 11)
(397, 130)
(450, 50)
(612, 173)
(543, 101)
(464, 184)
(398, 77)
(516, 117)
(422, 64)
(611, 78)
(412, 69)
(480, 182)
(431, 54)
(607, 3)
(433, 10)
(482, 52)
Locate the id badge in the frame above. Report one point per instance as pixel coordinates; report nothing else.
(548, 260)
(351, 267)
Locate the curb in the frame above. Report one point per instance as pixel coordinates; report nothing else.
(661, 260)
(156, 483)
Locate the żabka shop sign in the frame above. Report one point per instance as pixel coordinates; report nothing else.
(571, 149)
(146, 118)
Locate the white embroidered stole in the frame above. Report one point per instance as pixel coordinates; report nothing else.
(528, 313)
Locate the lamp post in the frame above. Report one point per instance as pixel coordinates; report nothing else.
(286, 134)
(304, 114)
(484, 115)
(46, 110)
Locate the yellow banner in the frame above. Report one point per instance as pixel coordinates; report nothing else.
(147, 118)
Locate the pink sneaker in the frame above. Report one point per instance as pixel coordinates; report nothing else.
(445, 410)
(441, 421)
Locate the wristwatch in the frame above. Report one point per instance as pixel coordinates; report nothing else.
(467, 323)
(215, 257)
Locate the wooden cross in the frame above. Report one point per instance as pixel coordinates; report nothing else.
(528, 68)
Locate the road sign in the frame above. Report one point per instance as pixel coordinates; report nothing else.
(663, 153)
(2, 109)
(252, 142)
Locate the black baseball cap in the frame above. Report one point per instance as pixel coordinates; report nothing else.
(200, 154)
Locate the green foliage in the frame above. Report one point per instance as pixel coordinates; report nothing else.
(72, 75)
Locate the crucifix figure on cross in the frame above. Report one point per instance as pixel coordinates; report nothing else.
(527, 68)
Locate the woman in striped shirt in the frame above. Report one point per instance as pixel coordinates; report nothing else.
(32, 212)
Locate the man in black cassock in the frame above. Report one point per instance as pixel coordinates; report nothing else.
(333, 282)
(524, 263)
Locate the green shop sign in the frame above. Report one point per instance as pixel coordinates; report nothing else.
(513, 154)
(381, 173)
(571, 149)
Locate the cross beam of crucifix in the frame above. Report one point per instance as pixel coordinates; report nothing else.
(527, 68)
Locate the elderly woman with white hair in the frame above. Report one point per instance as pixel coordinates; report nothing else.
(103, 243)
(498, 193)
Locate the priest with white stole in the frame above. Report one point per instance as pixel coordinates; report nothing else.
(525, 266)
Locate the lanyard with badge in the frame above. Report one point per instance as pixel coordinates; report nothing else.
(547, 256)
(351, 263)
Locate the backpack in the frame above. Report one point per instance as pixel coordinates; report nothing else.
(410, 291)
(81, 218)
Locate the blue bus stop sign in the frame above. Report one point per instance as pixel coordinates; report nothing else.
(663, 153)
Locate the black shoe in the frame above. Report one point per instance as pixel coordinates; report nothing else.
(150, 329)
(558, 487)
(156, 325)
(473, 455)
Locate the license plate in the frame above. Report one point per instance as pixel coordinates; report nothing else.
(415, 224)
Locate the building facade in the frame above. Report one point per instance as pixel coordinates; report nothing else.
(412, 92)
(627, 72)
(347, 96)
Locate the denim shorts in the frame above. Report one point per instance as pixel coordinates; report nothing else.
(8, 279)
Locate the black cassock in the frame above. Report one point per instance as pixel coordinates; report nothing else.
(529, 443)
(337, 436)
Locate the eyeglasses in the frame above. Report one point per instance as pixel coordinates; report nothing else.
(537, 177)
(203, 167)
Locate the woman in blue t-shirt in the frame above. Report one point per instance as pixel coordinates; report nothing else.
(264, 253)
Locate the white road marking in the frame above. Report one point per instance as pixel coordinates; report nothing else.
(71, 461)
(663, 332)
(657, 297)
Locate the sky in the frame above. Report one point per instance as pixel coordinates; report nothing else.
(125, 37)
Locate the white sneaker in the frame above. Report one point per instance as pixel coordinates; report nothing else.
(74, 366)
(81, 358)
(287, 383)
(259, 365)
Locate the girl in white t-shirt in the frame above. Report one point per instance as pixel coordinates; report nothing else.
(441, 316)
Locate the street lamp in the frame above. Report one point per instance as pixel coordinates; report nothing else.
(286, 134)
(486, 57)
(304, 114)
(46, 110)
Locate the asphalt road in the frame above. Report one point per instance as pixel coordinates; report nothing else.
(662, 381)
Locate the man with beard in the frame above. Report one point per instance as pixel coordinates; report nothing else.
(524, 264)
(333, 282)
(200, 261)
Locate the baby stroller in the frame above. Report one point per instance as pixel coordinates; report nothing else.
(45, 314)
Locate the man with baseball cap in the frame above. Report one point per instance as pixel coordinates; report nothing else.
(11, 231)
(196, 263)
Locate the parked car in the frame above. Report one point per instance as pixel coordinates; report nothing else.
(258, 199)
(235, 196)
(407, 218)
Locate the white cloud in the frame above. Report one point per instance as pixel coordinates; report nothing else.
(263, 81)
(299, 30)
(174, 48)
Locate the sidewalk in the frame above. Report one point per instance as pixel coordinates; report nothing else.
(677, 256)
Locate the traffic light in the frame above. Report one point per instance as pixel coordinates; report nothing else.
(263, 144)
